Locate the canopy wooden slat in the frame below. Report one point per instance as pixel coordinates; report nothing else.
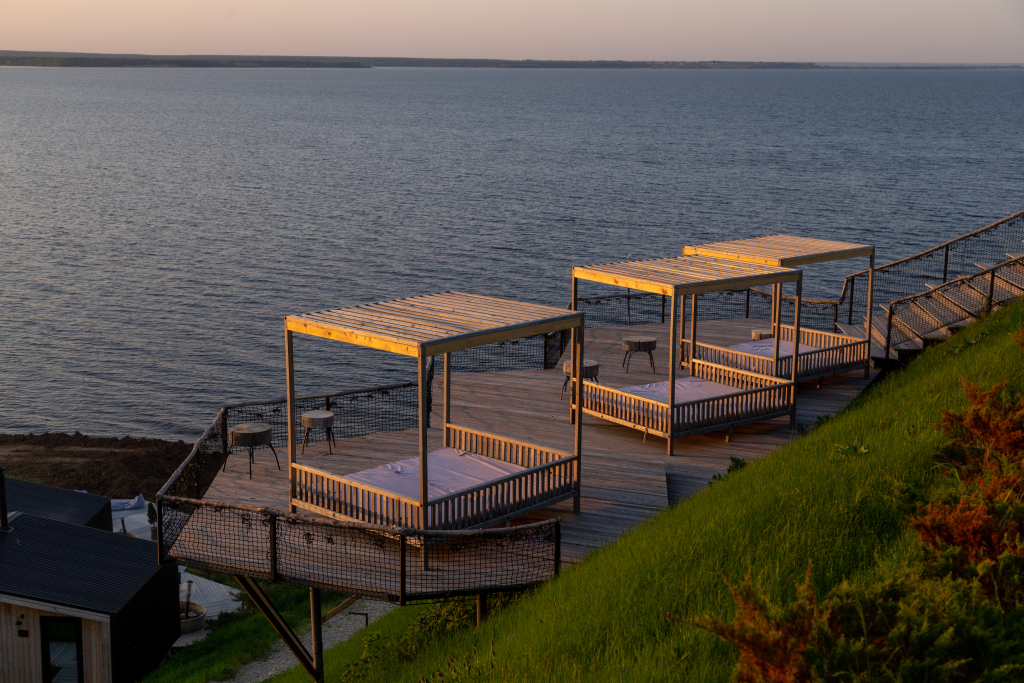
(781, 250)
(690, 275)
(682, 275)
(422, 327)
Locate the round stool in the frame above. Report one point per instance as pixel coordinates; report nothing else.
(318, 419)
(250, 435)
(590, 370)
(633, 345)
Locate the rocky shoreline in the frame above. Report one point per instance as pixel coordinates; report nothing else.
(114, 467)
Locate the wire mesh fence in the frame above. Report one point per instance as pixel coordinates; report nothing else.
(643, 309)
(539, 352)
(956, 302)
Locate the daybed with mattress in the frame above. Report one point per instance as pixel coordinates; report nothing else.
(822, 354)
(712, 398)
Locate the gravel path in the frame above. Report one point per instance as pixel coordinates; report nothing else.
(338, 629)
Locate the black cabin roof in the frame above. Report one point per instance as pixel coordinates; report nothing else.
(72, 565)
(63, 505)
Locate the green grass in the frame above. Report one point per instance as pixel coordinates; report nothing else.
(391, 626)
(239, 638)
(819, 500)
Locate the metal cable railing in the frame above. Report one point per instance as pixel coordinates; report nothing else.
(933, 267)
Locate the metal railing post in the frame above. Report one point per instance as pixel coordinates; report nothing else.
(945, 263)
(401, 569)
(224, 431)
(853, 286)
(558, 546)
(746, 313)
(273, 548)
(991, 292)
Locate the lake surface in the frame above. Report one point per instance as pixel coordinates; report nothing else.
(157, 225)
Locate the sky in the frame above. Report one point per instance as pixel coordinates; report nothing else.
(904, 31)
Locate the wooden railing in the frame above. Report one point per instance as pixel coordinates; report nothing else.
(550, 476)
(833, 354)
(757, 397)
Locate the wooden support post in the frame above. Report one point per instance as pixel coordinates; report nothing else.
(317, 634)
(577, 450)
(424, 481)
(294, 643)
(481, 608)
(289, 366)
(796, 344)
(871, 303)
(447, 397)
(673, 367)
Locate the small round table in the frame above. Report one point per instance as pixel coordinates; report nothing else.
(318, 419)
(250, 435)
(633, 345)
(590, 370)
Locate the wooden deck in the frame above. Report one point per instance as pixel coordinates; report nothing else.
(624, 480)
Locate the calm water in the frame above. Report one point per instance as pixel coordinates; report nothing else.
(157, 225)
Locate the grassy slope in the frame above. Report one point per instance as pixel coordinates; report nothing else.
(243, 638)
(605, 620)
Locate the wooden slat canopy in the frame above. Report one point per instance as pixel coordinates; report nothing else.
(434, 323)
(423, 327)
(682, 275)
(690, 275)
(781, 250)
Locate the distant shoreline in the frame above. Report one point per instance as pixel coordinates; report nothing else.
(69, 59)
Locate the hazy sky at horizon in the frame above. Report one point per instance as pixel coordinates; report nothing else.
(945, 31)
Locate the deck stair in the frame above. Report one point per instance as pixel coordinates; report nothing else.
(917, 321)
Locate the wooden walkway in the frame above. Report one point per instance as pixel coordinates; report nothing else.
(624, 479)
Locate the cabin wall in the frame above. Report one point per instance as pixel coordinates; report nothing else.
(21, 659)
(146, 628)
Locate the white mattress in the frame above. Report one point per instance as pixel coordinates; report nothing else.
(766, 348)
(449, 470)
(687, 389)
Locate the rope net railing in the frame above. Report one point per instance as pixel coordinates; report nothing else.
(388, 563)
(395, 564)
(641, 308)
(956, 302)
(948, 261)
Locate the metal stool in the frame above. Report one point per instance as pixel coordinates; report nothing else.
(590, 370)
(318, 419)
(250, 435)
(633, 345)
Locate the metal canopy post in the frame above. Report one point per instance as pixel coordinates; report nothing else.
(796, 344)
(575, 371)
(422, 376)
(776, 323)
(447, 397)
(672, 366)
(289, 353)
(693, 329)
(577, 450)
(871, 303)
